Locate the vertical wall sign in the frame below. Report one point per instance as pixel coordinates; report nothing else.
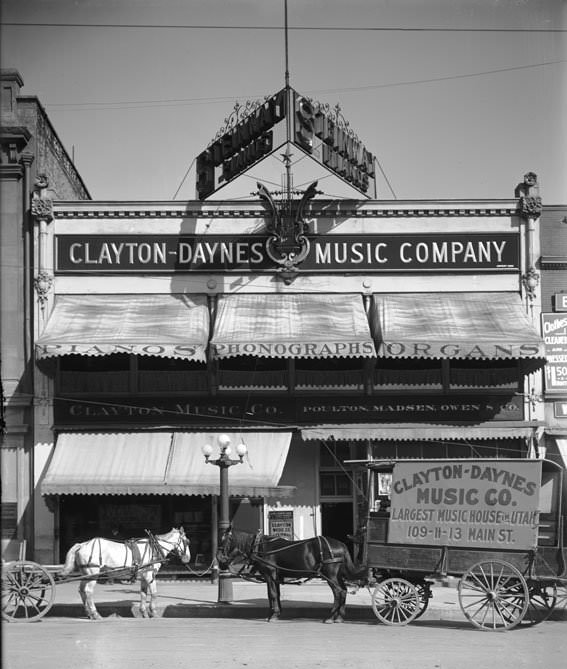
(554, 330)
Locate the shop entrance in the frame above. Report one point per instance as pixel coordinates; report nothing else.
(336, 521)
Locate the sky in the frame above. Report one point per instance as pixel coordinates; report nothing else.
(457, 99)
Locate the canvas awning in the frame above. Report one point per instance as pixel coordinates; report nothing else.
(454, 326)
(163, 463)
(415, 432)
(292, 326)
(167, 326)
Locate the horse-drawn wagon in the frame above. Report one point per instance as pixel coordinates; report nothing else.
(28, 588)
(496, 525)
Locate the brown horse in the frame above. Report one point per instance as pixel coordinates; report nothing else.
(277, 560)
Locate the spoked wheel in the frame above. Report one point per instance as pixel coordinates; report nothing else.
(543, 598)
(28, 591)
(561, 601)
(424, 594)
(395, 601)
(493, 595)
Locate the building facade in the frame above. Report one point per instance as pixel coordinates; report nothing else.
(314, 331)
(553, 268)
(410, 329)
(29, 150)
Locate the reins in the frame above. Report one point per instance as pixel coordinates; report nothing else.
(254, 556)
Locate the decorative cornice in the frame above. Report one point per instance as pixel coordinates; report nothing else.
(553, 262)
(316, 210)
(46, 133)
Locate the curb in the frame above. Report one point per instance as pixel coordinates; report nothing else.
(240, 611)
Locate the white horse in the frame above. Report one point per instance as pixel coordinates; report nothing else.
(141, 557)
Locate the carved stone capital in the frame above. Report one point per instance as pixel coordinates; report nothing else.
(42, 209)
(530, 207)
(42, 199)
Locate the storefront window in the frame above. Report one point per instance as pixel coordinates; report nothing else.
(403, 373)
(484, 374)
(335, 484)
(339, 373)
(252, 372)
(94, 374)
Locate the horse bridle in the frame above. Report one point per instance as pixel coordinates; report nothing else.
(181, 546)
(178, 547)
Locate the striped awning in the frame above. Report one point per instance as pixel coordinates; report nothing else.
(454, 326)
(163, 463)
(292, 326)
(415, 432)
(167, 326)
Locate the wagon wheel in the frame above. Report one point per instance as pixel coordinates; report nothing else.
(494, 595)
(543, 597)
(28, 591)
(424, 594)
(561, 602)
(396, 601)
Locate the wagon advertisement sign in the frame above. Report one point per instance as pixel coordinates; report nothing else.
(474, 504)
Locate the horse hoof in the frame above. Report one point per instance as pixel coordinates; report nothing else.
(328, 621)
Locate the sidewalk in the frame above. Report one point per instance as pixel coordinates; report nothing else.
(198, 598)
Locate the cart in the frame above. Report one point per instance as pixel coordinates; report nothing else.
(496, 525)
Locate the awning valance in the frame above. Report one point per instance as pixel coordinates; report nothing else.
(454, 326)
(292, 326)
(167, 326)
(163, 463)
(415, 432)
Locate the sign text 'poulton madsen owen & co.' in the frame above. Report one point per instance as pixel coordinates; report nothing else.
(247, 253)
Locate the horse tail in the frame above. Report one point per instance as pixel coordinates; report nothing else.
(70, 560)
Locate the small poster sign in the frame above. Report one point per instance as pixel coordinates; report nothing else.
(280, 524)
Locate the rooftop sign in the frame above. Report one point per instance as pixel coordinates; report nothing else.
(316, 129)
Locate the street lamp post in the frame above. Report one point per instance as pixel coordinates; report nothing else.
(223, 462)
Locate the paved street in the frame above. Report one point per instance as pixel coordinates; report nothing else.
(194, 632)
(205, 643)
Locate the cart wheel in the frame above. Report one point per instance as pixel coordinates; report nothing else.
(561, 602)
(543, 598)
(493, 595)
(396, 601)
(424, 594)
(28, 591)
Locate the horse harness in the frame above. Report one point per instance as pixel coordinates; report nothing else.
(258, 554)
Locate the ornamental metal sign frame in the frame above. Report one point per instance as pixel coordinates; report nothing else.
(258, 128)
